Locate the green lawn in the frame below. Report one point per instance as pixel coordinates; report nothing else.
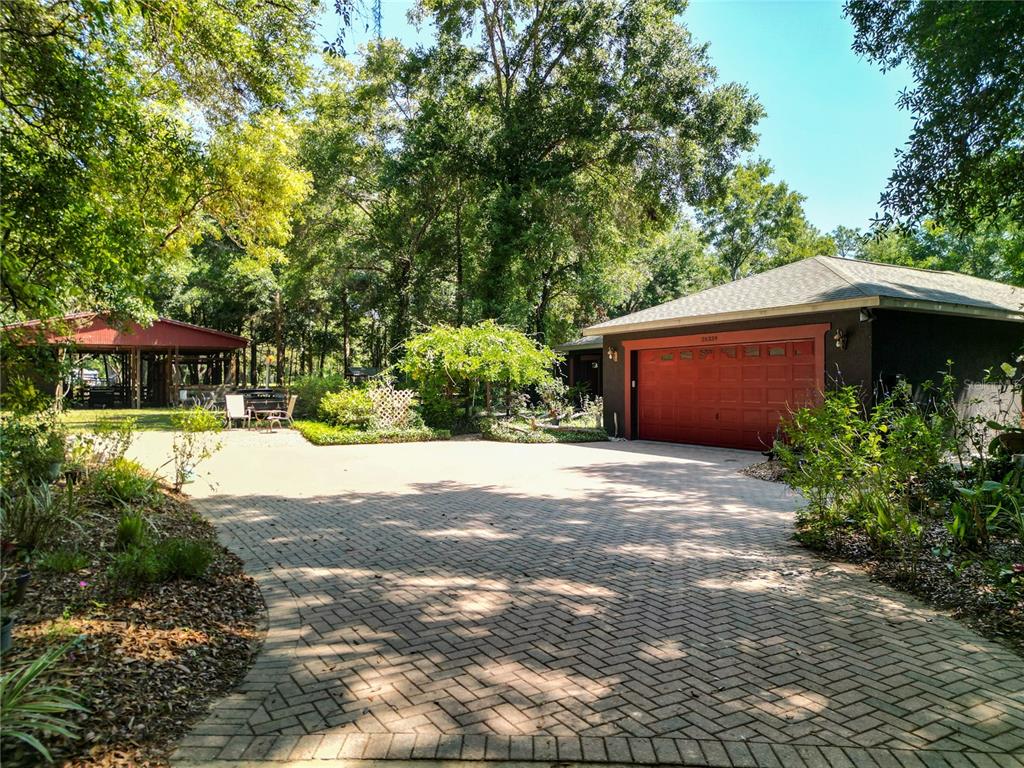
(146, 418)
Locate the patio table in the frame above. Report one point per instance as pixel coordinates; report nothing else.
(260, 416)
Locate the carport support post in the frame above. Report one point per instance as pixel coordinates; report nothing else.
(136, 377)
(58, 395)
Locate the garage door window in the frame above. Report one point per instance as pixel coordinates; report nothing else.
(751, 351)
(776, 351)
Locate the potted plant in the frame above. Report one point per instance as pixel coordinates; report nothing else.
(13, 584)
(6, 625)
(7, 603)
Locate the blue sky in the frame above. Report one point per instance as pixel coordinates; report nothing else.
(832, 126)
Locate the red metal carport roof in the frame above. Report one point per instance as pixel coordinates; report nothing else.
(93, 330)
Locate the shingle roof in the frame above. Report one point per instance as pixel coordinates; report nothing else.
(808, 284)
(584, 342)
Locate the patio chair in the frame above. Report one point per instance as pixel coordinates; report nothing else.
(281, 415)
(235, 410)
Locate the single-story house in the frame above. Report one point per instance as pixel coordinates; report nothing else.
(723, 366)
(581, 367)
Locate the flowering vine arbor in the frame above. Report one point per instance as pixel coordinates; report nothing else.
(130, 365)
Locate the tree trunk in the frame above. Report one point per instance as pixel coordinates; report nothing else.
(279, 336)
(253, 372)
(542, 306)
(346, 332)
(460, 295)
(400, 325)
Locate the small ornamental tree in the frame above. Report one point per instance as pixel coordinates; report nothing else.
(455, 367)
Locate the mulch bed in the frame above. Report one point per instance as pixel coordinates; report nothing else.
(967, 591)
(147, 665)
(771, 470)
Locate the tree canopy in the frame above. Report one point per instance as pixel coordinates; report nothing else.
(538, 165)
(964, 163)
(128, 130)
(757, 225)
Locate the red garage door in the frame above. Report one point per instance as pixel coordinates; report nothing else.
(730, 395)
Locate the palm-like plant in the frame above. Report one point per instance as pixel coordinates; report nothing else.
(30, 707)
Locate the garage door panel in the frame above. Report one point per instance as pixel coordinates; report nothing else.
(803, 372)
(753, 395)
(731, 395)
(753, 372)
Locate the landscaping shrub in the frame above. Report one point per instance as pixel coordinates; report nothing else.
(131, 531)
(866, 469)
(193, 441)
(175, 558)
(988, 508)
(135, 568)
(441, 412)
(183, 558)
(33, 516)
(122, 481)
(459, 369)
(505, 432)
(554, 395)
(62, 561)
(32, 709)
(31, 448)
(324, 434)
(350, 407)
(311, 390)
(908, 487)
(107, 441)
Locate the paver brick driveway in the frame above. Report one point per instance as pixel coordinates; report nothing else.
(620, 602)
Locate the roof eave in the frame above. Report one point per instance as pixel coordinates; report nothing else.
(949, 308)
(579, 347)
(910, 305)
(728, 317)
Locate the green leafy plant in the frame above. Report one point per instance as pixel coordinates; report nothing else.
(506, 432)
(109, 440)
(32, 516)
(122, 481)
(554, 395)
(135, 568)
(131, 531)
(455, 368)
(31, 448)
(32, 709)
(821, 452)
(193, 441)
(62, 561)
(988, 508)
(319, 433)
(311, 390)
(183, 558)
(350, 407)
(870, 469)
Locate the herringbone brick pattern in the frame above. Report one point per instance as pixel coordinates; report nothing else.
(625, 603)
